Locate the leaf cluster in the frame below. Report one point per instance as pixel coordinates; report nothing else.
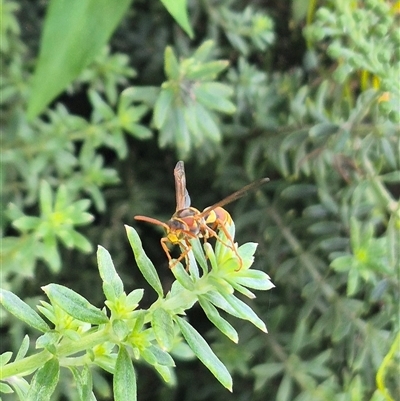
(303, 93)
(83, 336)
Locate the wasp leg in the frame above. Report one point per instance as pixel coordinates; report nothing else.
(184, 254)
(165, 248)
(220, 226)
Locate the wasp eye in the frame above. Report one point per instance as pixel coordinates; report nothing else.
(176, 225)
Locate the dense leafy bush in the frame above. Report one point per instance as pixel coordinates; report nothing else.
(100, 98)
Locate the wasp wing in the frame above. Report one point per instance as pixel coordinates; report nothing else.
(236, 195)
(182, 195)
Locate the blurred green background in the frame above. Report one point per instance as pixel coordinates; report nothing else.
(101, 98)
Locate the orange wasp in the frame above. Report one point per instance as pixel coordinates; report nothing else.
(188, 222)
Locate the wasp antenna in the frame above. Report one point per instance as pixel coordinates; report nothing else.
(151, 221)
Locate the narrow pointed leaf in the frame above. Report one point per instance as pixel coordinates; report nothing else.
(183, 277)
(46, 198)
(84, 382)
(124, 381)
(171, 64)
(178, 9)
(74, 33)
(144, 263)
(213, 100)
(23, 349)
(74, 304)
(108, 274)
(22, 311)
(245, 312)
(5, 357)
(219, 322)
(163, 327)
(162, 107)
(44, 381)
(259, 281)
(203, 351)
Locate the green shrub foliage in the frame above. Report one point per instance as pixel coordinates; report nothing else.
(99, 100)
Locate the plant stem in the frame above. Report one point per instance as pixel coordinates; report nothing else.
(67, 347)
(25, 366)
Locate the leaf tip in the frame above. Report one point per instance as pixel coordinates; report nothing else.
(45, 288)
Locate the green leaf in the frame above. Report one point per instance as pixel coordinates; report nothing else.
(203, 52)
(293, 140)
(189, 113)
(203, 351)
(167, 373)
(182, 276)
(74, 304)
(207, 124)
(5, 357)
(46, 198)
(139, 321)
(393, 241)
(299, 191)
(65, 235)
(392, 177)
(323, 130)
(124, 381)
(23, 349)
(178, 9)
(80, 242)
(200, 256)
(285, 391)
(163, 327)
(22, 311)
(139, 94)
(144, 263)
(121, 329)
(209, 71)
(48, 340)
(220, 302)
(258, 280)
(44, 381)
(209, 96)
(325, 227)
(138, 131)
(102, 109)
(246, 252)
(240, 288)
(26, 223)
(265, 372)
(219, 322)
(353, 282)
(244, 311)
(182, 136)
(343, 263)
(156, 356)
(62, 198)
(74, 33)
(84, 382)
(132, 114)
(162, 107)
(5, 388)
(109, 275)
(49, 253)
(133, 298)
(334, 244)
(171, 64)
(13, 211)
